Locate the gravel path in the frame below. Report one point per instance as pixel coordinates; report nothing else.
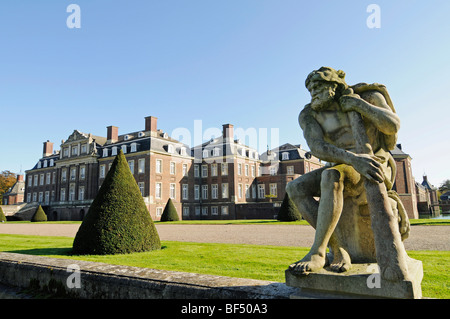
(421, 237)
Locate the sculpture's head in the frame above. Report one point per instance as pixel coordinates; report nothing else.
(325, 85)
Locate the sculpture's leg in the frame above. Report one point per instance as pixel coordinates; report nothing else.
(329, 211)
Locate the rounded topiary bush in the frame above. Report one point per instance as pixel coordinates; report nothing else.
(39, 215)
(170, 212)
(2, 215)
(288, 211)
(118, 221)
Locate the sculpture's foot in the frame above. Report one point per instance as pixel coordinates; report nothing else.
(341, 261)
(309, 263)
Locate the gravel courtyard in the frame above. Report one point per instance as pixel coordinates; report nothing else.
(421, 237)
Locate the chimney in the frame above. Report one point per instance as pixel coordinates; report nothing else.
(112, 134)
(151, 123)
(48, 149)
(20, 178)
(228, 133)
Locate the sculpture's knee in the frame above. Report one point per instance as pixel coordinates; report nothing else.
(331, 179)
(296, 188)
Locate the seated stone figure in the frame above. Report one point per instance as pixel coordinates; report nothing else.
(341, 217)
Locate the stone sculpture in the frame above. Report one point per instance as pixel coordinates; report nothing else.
(358, 216)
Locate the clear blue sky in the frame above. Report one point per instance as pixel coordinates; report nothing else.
(241, 62)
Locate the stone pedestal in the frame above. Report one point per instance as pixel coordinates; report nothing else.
(361, 281)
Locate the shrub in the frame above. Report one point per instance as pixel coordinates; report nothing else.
(170, 212)
(118, 220)
(2, 215)
(288, 211)
(39, 215)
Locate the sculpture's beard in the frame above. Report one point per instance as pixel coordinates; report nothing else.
(320, 103)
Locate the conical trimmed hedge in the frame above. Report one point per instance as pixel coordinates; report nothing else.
(2, 215)
(118, 221)
(288, 211)
(39, 215)
(170, 212)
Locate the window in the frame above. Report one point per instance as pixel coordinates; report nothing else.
(214, 191)
(183, 151)
(159, 211)
(29, 198)
(45, 163)
(261, 191)
(205, 153)
(66, 152)
(253, 191)
(259, 170)
(247, 191)
(141, 187)
(158, 166)
(74, 150)
(224, 190)
(214, 210)
(52, 162)
(54, 178)
(41, 197)
(186, 211)
(133, 147)
(81, 193)
(172, 191)
(197, 210)
(102, 171)
(213, 169)
(205, 170)
(39, 165)
(158, 190)
(290, 170)
(216, 151)
(273, 189)
(131, 166)
(253, 170)
(185, 191)
(30, 181)
(172, 168)
(82, 172)
(246, 170)
(205, 211)
(285, 156)
(196, 171)
(83, 148)
(114, 151)
(204, 191)
(34, 197)
(196, 192)
(141, 165)
(224, 210)
(170, 148)
(36, 180)
(72, 192)
(73, 173)
(47, 198)
(63, 195)
(48, 178)
(124, 149)
(105, 152)
(224, 168)
(273, 170)
(41, 179)
(240, 190)
(185, 170)
(239, 169)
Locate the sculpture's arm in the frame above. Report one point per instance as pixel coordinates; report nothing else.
(366, 165)
(374, 108)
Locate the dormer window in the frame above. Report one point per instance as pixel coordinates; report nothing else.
(285, 156)
(74, 150)
(127, 137)
(52, 162)
(183, 151)
(133, 147)
(141, 134)
(105, 152)
(114, 151)
(169, 148)
(216, 151)
(39, 164)
(205, 153)
(45, 163)
(124, 149)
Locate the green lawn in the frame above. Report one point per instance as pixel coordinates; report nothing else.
(242, 261)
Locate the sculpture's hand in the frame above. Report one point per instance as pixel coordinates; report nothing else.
(350, 101)
(369, 167)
